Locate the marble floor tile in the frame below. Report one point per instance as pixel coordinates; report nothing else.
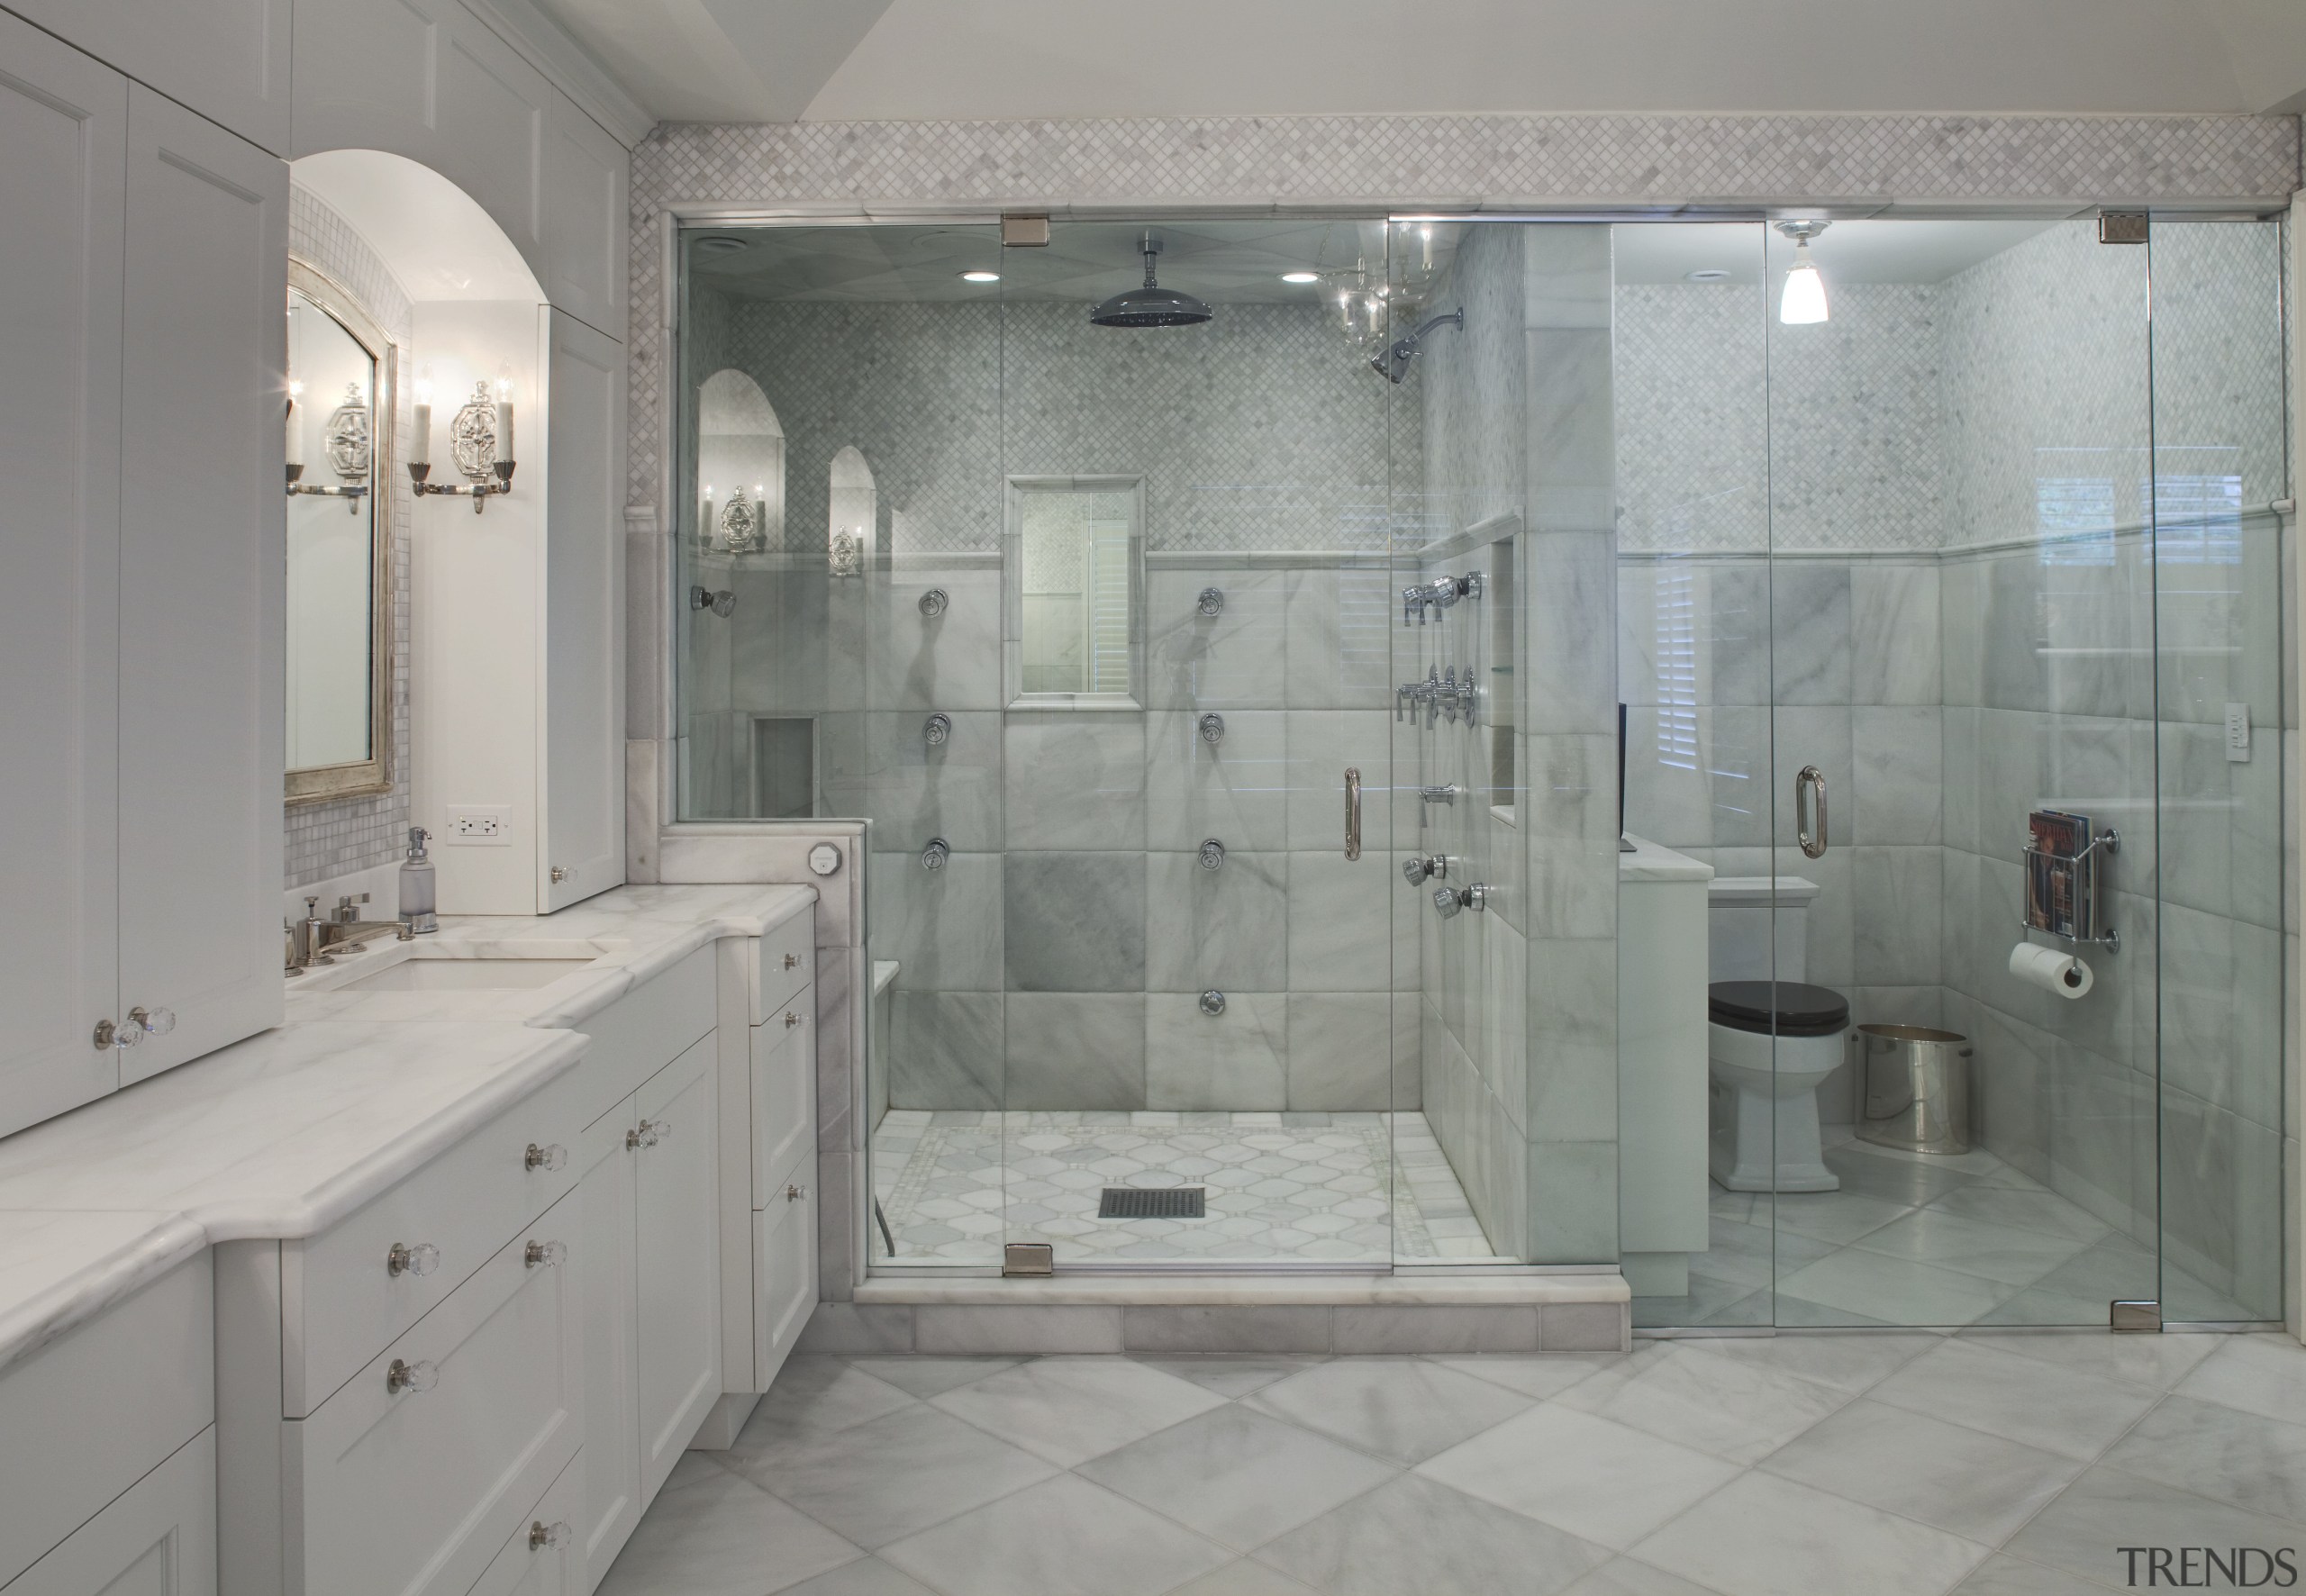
(2159, 1362)
(1601, 1481)
(2108, 1508)
(2021, 1209)
(881, 1481)
(1070, 1410)
(1239, 1477)
(2018, 1398)
(1978, 1487)
(713, 1533)
(2222, 1453)
(1062, 1537)
(2003, 1574)
(1997, 1252)
(1622, 1576)
(2257, 1373)
(1737, 1410)
(1838, 1217)
(1765, 1537)
(1846, 1363)
(867, 1576)
(1244, 1577)
(1416, 1538)
(1895, 1291)
(817, 1395)
(1544, 1375)
(927, 1377)
(1230, 1376)
(1402, 1410)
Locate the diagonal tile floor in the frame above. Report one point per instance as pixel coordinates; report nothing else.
(1915, 1240)
(1985, 1463)
(1331, 1188)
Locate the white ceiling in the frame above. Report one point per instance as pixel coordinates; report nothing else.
(777, 61)
(433, 236)
(1907, 251)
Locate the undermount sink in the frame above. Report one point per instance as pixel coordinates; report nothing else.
(466, 975)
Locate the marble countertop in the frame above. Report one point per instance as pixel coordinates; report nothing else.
(631, 933)
(1650, 861)
(285, 1133)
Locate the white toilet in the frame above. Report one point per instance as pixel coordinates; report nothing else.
(1769, 1042)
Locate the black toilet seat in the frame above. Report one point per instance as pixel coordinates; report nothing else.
(1776, 1008)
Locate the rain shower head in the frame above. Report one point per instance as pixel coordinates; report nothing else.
(1393, 364)
(1151, 305)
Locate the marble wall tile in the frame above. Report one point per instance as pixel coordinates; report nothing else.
(2221, 982)
(858, 1328)
(1075, 780)
(1896, 915)
(1894, 629)
(1669, 783)
(1736, 641)
(1341, 1049)
(1075, 921)
(1235, 660)
(1569, 674)
(1743, 798)
(1432, 1329)
(942, 927)
(945, 1050)
(1235, 790)
(950, 1330)
(1585, 1327)
(2013, 1070)
(1572, 1090)
(1573, 1203)
(2221, 829)
(1572, 831)
(1236, 1060)
(1340, 922)
(1238, 1330)
(1341, 625)
(880, 765)
(2094, 625)
(1899, 774)
(1322, 744)
(1228, 929)
(1573, 454)
(2102, 1147)
(2216, 1169)
(947, 662)
(2219, 624)
(1958, 735)
(1075, 1051)
(1498, 1010)
(1961, 619)
(1809, 634)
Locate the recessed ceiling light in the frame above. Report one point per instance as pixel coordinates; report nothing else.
(1300, 276)
(1709, 274)
(718, 245)
(980, 276)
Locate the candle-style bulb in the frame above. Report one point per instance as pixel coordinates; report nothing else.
(295, 438)
(503, 420)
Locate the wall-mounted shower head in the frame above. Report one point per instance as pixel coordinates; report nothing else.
(1393, 364)
(1151, 305)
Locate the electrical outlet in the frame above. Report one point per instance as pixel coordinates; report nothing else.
(479, 825)
(2237, 733)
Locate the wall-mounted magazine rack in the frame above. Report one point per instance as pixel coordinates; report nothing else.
(2067, 892)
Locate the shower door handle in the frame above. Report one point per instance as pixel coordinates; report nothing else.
(1810, 779)
(1352, 812)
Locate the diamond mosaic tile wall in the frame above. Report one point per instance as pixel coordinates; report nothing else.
(336, 839)
(1497, 161)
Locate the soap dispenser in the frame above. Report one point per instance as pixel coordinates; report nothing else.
(416, 886)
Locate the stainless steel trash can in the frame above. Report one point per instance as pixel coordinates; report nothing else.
(1913, 1087)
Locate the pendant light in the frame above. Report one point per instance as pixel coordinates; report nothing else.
(1803, 301)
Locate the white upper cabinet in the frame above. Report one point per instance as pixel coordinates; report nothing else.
(580, 808)
(227, 59)
(63, 168)
(202, 567)
(429, 80)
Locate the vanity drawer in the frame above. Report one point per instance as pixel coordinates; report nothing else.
(785, 1270)
(788, 962)
(341, 1303)
(412, 1490)
(784, 1094)
(643, 1032)
(556, 1567)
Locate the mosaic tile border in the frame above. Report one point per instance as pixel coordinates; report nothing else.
(1493, 161)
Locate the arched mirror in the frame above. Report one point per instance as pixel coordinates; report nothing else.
(339, 555)
(853, 513)
(740, 467)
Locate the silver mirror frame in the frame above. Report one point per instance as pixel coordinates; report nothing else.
(360, 778)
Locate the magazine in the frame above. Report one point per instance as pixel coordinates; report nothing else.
(2058, 876)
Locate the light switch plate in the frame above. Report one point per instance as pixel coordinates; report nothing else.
(2237, 733)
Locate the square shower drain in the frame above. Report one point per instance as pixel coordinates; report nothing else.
(1154, 1203)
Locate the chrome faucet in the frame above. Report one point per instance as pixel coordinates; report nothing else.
(314, 938)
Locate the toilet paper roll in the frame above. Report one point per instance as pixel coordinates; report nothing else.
(2051, 970)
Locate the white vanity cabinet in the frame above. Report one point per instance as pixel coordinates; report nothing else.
(107, 1464)
(227, 59)
(142, 346)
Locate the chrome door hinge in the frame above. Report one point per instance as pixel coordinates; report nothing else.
(1027, 1258)
(2134, 1316)
(2123, 227)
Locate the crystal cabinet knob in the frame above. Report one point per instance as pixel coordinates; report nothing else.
(791, 1019)
(109, 1036)
(420, 1259)
(551, 1254)
(793, 1193)
(542, 1535)
(154, 1022)
(792, 961)
(551, 1155)
(648, 1133)
(420, 1376)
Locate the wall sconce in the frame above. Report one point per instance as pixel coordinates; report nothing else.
(480, 440)
(741, 524)
(345, 436)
